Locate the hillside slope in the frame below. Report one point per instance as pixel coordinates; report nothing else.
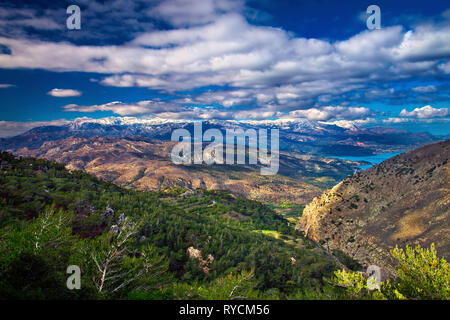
(226, 233)
(145, 164)
(404, 200)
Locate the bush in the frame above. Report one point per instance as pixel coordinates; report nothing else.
(421, 275)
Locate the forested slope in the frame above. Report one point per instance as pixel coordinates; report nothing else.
(167, 242)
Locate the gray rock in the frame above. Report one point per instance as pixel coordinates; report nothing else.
(109, 212)
(188, 193)
(121, 219)
(114, 229)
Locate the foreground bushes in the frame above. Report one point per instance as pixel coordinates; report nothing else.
(421, 275)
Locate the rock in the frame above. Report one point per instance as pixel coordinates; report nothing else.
(109, 212)
(121, 219)
(197, 254)
(188, 193)
(114, 229)
(194, 253)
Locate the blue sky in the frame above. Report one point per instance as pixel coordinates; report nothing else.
(226, 59)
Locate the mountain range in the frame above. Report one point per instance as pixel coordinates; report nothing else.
(299, 135)
(135, 153)
(145, 164)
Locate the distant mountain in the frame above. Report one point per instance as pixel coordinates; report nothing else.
(403, 200)
(301, 135)
(145, 164)
(135, 152)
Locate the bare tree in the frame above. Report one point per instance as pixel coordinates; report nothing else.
(109, 256)
(51, 230)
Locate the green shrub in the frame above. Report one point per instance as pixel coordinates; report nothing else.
(421, 275)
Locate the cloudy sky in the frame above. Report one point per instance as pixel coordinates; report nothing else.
(226, 59)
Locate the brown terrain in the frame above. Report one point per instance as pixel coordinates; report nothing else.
(145, 164)
(404, 200)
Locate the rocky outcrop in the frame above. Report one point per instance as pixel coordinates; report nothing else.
(404, 200)
(203, 263)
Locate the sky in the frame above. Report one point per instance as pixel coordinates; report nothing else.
(226, 59)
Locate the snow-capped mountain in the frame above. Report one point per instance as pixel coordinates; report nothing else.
(300, 135)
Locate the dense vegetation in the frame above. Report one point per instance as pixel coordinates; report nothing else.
(168, 244)
(421, 275)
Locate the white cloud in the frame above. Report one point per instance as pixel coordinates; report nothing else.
(331, 112)
(213, 44)
(128, 80)
(6, 85)
(163, 110)
(63, 93)
(349, 124)
(445, 67)
(124, 109)
(27, 18)
(183, 109)
(13, 128)
(394, 120)
(426, 112)
(188, 12)
(426, 42)
(230, 51)
(425, 89)
(368, 45)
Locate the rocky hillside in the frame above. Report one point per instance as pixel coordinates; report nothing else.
(404, 200)
(144, 164)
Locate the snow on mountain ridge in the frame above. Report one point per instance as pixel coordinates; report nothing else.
(126, 121)
(130, 121)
